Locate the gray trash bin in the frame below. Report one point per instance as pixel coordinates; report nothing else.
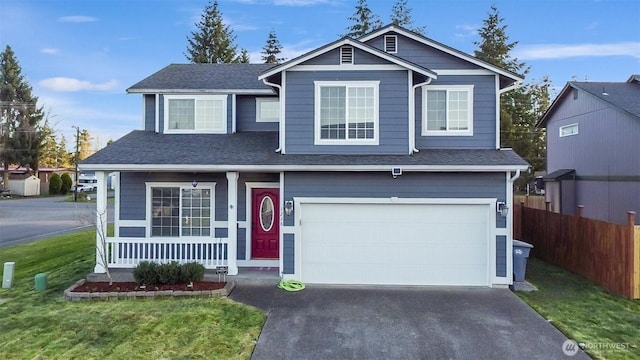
(520, 254)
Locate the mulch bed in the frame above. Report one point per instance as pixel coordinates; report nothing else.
(103, 286)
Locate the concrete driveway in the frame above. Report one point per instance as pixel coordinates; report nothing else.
(400, 323)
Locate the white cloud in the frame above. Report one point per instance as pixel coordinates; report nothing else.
(466, 30)
(560, 51)
(77, 19)
(65, 84)
(50, 51)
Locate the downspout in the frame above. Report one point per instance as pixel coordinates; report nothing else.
(281, 120)
(412, 115)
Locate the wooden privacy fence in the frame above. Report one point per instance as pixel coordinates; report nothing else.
(605, 253)
(533, 201)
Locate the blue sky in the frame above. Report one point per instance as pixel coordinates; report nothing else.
(81, 56)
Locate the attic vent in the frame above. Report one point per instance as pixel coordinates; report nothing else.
(346, 55)
(391, 44)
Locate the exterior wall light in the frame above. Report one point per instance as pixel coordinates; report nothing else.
(288, 207)
(194, 183)
(502, 208)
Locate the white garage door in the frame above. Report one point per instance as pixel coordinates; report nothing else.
(401, 244)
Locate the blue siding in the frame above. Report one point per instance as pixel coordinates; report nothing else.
(134, 232)
(393, 112)
(421, 54)
(333, 58)
(149, 112)
(484, 115)
(501, 256)
(221, 232)
(133, 192)
(246, 116)
(242, 244)
(289, 254)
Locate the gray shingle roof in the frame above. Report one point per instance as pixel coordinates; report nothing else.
(258, 148)
(625, 95)
(202, 77)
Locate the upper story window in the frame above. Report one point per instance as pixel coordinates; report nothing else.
(391, 43)
(346, 55)
(447, 110)
(346, 113)
(267, 109)
(195, 113)
(569, 130)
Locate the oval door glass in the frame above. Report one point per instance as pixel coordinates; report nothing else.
(266, 213)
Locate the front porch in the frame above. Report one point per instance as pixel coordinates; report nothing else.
(209, 218)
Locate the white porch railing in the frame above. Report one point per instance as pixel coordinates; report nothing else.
(129, 252)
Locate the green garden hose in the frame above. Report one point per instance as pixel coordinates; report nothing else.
(291, 285)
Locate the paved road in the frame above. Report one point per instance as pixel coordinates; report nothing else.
(25, 220)
(400, 323)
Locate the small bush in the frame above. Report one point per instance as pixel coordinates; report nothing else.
(169, 273)
(67, 183)
(146, 273)
(55, 184)
(192, 272)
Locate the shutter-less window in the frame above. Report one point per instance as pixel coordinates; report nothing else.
(346, 55)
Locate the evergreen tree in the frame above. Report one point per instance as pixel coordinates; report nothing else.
(520, 108)
(48, 146)
(19, 117)
(364, 20)
(244, 57)
(85, 145)
(65, 158)
(213, 42)
(401, 16)
(271, 50)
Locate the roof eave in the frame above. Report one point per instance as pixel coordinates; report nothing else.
(198, 91)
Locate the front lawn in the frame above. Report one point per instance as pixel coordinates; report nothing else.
(43, 325)
(609, 325)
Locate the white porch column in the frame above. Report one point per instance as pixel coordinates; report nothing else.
(101, 221)
(232, 221)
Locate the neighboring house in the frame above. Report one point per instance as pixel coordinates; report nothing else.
(593, 148)
(368, 161)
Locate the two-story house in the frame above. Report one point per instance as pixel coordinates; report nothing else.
(366, 161)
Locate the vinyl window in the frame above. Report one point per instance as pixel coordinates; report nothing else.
(447, 110)
(195, 114)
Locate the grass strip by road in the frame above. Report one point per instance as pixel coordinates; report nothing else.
(608, 324)
(44, 326)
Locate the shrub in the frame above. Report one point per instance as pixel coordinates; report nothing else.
(67, 183)
(146, 273)
(55, 184)
(169, 273)
(192, 272)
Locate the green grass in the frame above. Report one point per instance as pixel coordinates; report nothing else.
(584, 311)
(44, 325)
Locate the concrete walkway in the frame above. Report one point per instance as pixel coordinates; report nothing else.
(400, 323)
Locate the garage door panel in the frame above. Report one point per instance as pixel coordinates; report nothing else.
(394, 244)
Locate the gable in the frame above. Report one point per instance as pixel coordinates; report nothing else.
(360, 57)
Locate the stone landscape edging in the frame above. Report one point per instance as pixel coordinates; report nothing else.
(132, 295)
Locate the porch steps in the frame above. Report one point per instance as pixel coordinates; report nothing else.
(248, 276)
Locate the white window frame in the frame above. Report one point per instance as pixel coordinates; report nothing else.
(447, 88)
(262, 100)
(353, 55)
(395, 43)
(564, 130)
(181, 185)
(222, 98)
(347, 84)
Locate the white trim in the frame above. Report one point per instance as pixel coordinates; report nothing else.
(491, 279)
(116, 206)
(498, 127)
(158, 113)
(262, 100)
(282, 227)
(358, 67)
(144, 112)
(347, 84)
(132, 223)
(412, 112)
(447, 88)
(222, 98)
(249, 186)
(179, 184)
(233, 114)
(342, 54)
(355, 44)
(278, 168)
(440, 47)
(203, 91)
(395, 44)
(232, 220)
(565, 127)
(101, 221)
(502, 232)
(464, 72)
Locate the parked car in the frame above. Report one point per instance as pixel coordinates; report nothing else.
(83, 188)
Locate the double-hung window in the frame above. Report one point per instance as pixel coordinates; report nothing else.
(180, 210)
(447, 110)
(346, 113)
(195, 113)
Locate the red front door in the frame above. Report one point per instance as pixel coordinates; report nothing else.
(265, 224)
